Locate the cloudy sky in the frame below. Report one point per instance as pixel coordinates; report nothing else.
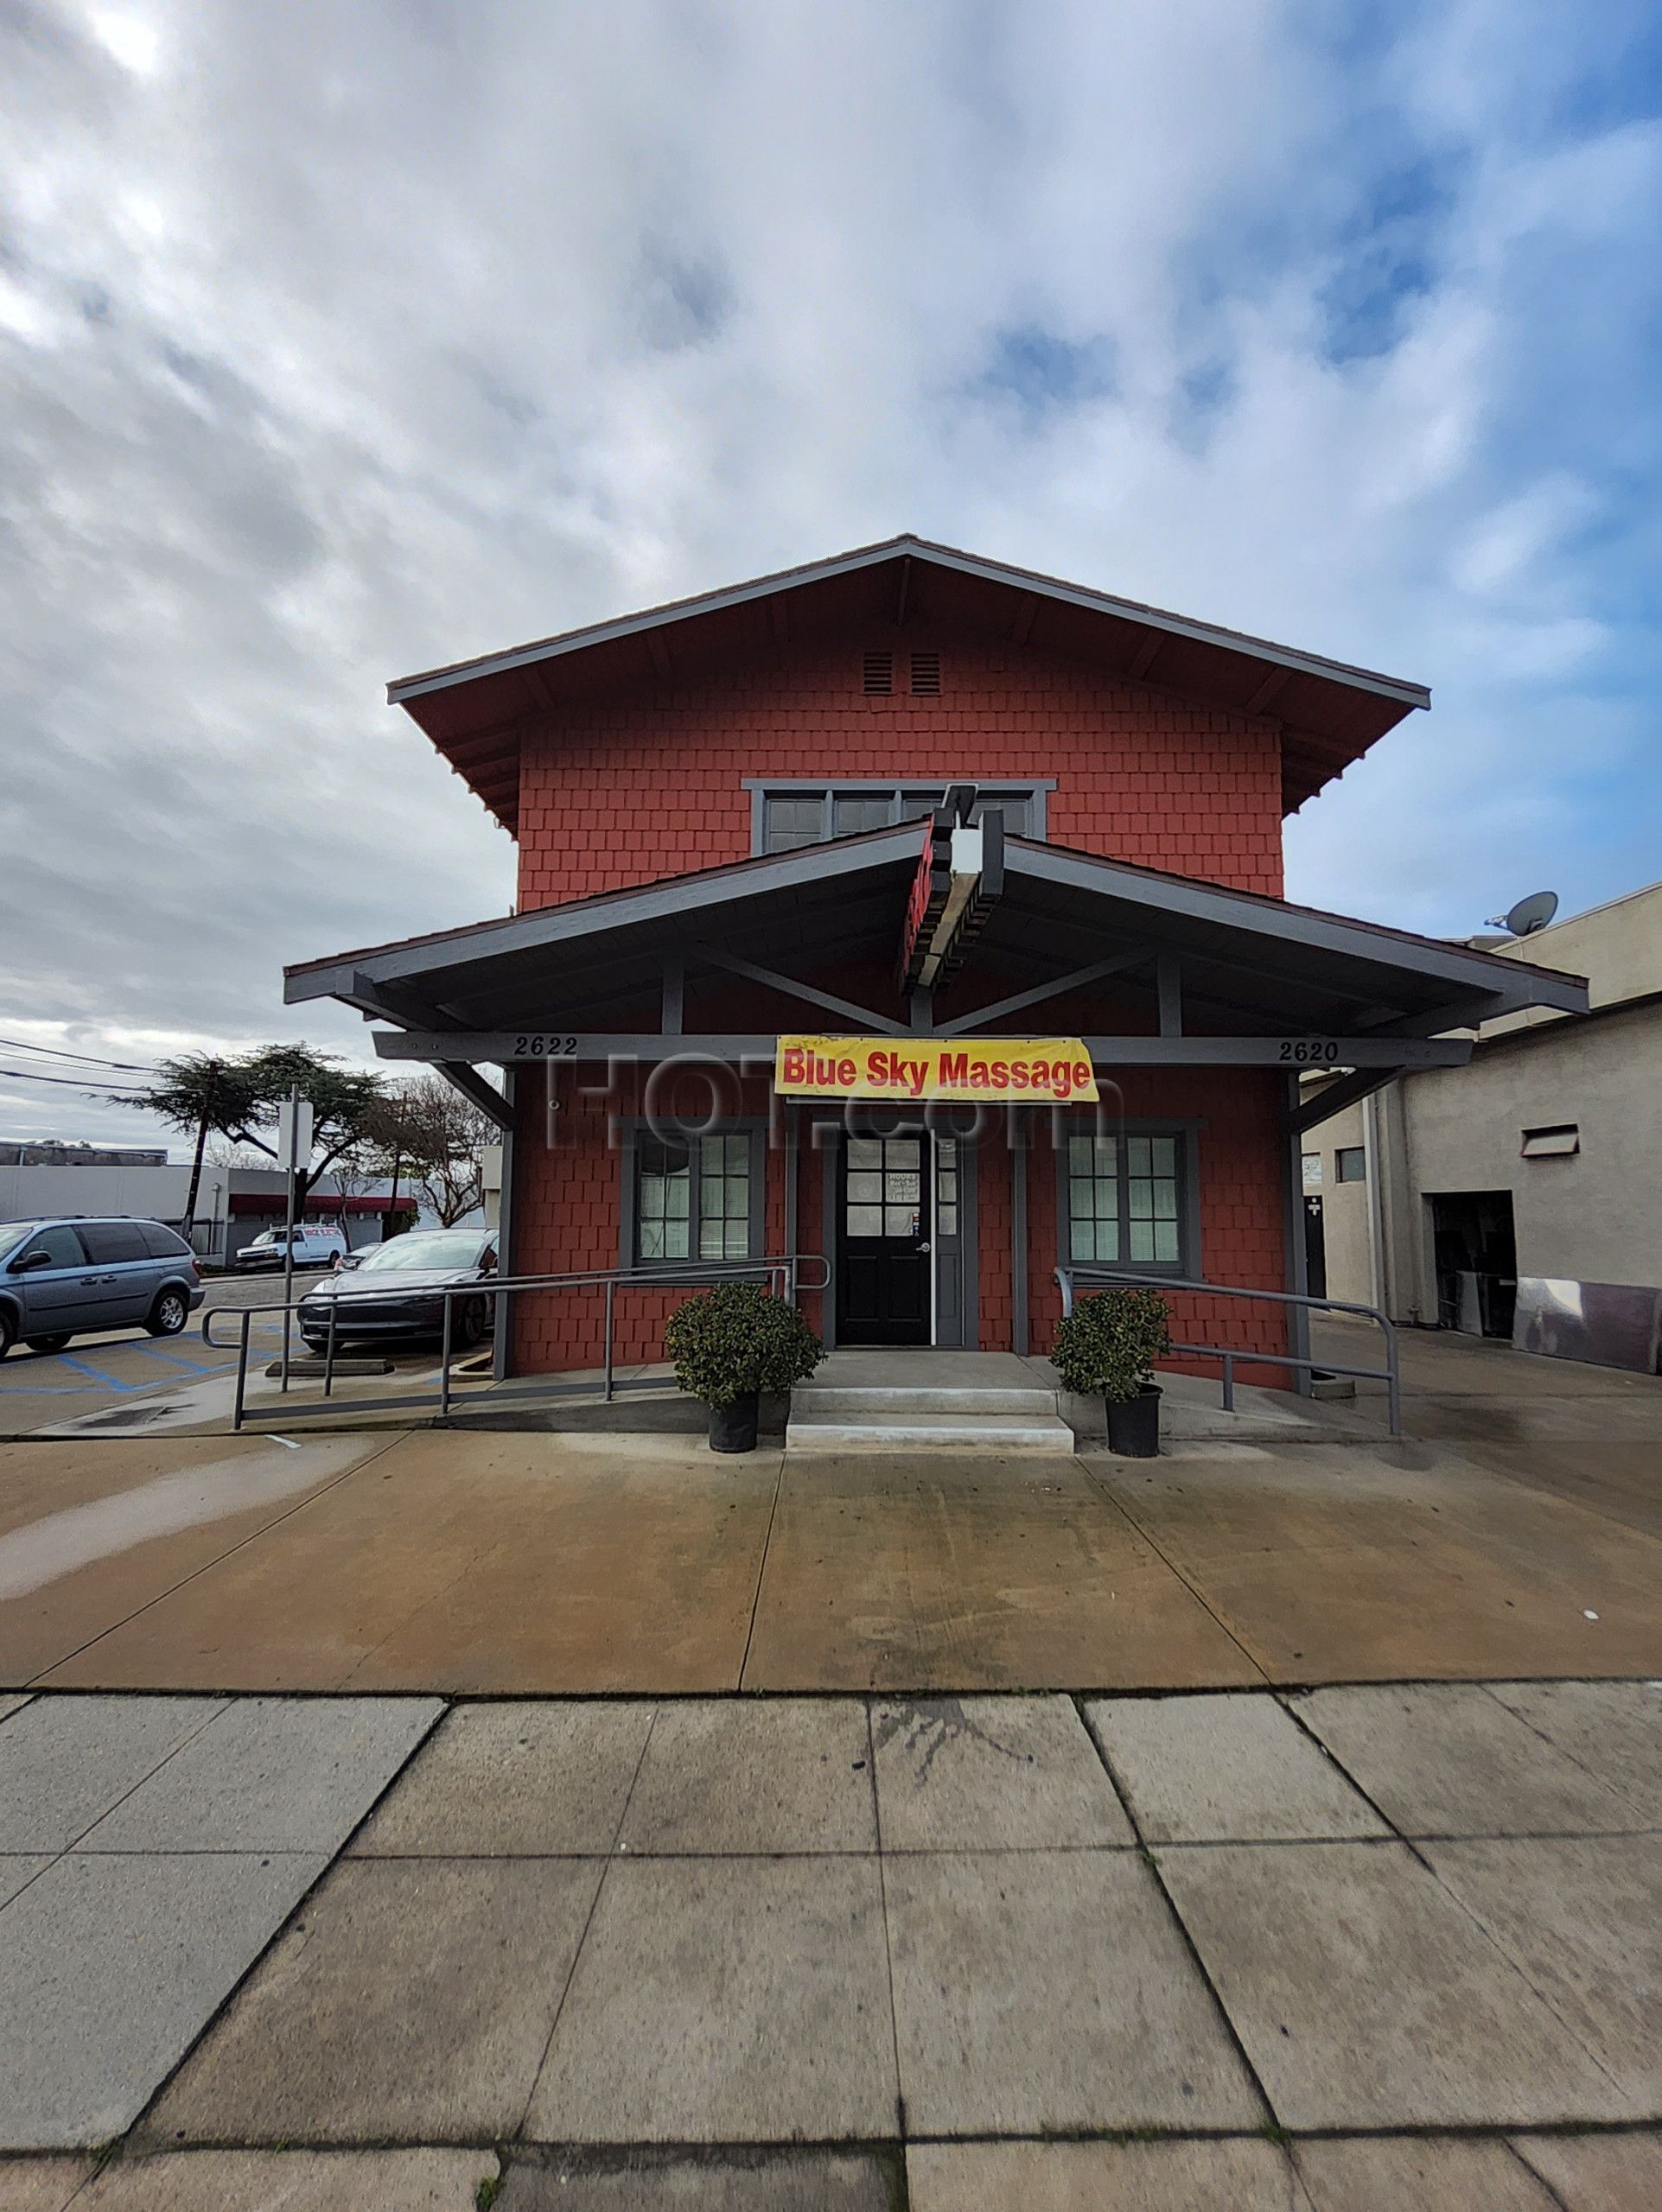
(340, 340)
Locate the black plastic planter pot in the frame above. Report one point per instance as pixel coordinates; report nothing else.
(1134, 1424)
(733, 1428)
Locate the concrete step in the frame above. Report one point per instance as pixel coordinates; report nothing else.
(901, 1401)
(922, 1429)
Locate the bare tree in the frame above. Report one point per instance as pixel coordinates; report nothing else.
(437, 1138)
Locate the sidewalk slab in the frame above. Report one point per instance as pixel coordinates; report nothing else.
(1044, 1991)
(726, 2000)
(1230, 1769)
(271, 1774)
(410, 2002)
(1581, 1917)
(290, 2181)
(1446, 1758)
(1219, 2177)
(18, 1870)
(542, 1781)
(1367, 1997)
(109, 1968)
(734, 1775)
(722, 2180)
(1598, 2173)
(1612, 1729)
(65, 1761)
(922, 1572)
(990, 1774)
(40, 2184)
(1400, 2174)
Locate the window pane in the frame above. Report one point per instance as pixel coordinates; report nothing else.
(1136, 1155)
(652, 1240)
(899, 1221)
(1107, 1236)
(868, 810)
(679, 1195)
(902, 1189)
(865, 1221)
(1081, 1241)
(946, 1189)
(1162, 1153)
(678, 1243)
(1141, 1195)
(865, 1151)
(864, 1187)
(1165, 1201)
(946, 1220)
(946, 1152)
(1141, 1240)
(1165, 1241)
(792, 822)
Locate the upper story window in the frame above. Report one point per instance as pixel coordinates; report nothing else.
(789, 814)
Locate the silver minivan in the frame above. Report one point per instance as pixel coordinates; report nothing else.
(72, 1277)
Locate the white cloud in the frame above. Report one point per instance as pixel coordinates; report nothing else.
(345, 339)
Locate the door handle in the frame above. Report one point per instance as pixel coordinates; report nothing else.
(109, 1278)
(87, 1281)
(923, 1246)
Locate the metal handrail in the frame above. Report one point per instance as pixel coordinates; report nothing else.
(785, 1273)
(1390, 1374)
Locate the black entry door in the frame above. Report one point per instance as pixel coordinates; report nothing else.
(883, 1241)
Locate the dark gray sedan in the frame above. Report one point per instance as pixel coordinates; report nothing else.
(393, 1290)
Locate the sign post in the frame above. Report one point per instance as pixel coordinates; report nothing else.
(294, 1147)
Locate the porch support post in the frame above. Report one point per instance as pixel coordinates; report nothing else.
(1018, 1232)
(502, 1333)
(1298, 1278)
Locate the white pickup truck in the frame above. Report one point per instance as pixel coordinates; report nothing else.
(315, 1246)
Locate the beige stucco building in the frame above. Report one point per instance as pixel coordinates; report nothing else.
(1538, 1162)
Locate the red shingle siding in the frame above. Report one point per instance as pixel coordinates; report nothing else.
(634, 788)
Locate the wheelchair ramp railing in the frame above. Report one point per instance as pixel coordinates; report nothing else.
(1100, 1276)
(787, 1277)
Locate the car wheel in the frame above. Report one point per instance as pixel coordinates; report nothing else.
(169, 1314)
(471, 1321)
(7, 1332)
(48, 1343)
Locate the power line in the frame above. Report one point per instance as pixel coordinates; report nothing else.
(75, 1082)
(91, 1059)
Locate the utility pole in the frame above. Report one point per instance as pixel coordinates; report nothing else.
(209, 1098)
(293, 1145)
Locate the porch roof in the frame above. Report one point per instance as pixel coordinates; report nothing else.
(1249, 965)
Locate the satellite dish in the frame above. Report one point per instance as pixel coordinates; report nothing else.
(1532, 913)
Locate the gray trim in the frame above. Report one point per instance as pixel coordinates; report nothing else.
(941, 557)
(1035, 789)
(1076, 979)
(1019, 1241)
(969, 1216)
(831, 1152)
(497, 1047)
(1292, 1209)
(1188, 1132)
(669, 901)
(791, 987)
(502, 1326)
(629, 1128)
(1293, 925)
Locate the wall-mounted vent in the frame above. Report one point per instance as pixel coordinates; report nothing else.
(878, 672)
(1562, 1141)
(926, 674)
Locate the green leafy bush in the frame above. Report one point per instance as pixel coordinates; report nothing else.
(1106, 1347)
(736, 1338)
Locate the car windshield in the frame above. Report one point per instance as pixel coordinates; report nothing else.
(14, 1233)
(439, 1249)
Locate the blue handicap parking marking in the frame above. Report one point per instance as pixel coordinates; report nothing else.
(110, 1381)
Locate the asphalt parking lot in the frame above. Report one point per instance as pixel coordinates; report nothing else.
(121, 1366)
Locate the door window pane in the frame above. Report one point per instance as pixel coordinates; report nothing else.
(865, 1221)
(63, 1244)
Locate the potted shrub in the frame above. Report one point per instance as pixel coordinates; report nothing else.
(1106, 1348)
(731, 1343)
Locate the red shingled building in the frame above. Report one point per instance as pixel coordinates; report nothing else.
(722, 808)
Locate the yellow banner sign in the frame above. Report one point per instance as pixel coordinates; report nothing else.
(1034, 1071)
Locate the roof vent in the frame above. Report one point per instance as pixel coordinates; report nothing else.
(926, 674)
(879, 670)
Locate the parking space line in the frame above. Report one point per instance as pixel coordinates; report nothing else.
(110, 1381)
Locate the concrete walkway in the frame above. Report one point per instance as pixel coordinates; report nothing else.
(1356, 1949)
